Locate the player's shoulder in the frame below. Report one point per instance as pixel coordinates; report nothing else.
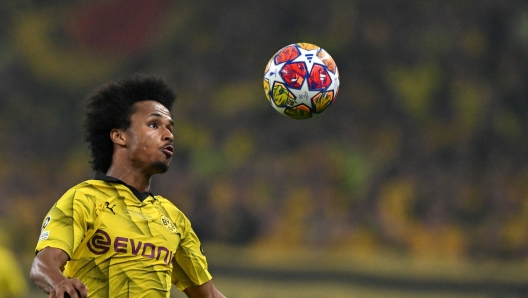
(86, 184)
(169, 206)
(88, 189)
(166, 203)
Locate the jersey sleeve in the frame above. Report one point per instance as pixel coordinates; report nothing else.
(65, 224)
(189, 264)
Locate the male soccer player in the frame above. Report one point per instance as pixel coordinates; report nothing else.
(110, 236)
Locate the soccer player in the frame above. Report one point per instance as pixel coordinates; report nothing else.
(110, 236)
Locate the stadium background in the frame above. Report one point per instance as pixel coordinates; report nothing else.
(413, 184)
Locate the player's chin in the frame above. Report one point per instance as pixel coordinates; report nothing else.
(161, 167)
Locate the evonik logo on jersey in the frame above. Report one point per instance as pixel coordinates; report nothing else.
(101, 243)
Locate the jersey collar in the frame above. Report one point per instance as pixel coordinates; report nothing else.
(140, 195)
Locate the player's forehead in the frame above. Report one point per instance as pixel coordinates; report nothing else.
(150, 108)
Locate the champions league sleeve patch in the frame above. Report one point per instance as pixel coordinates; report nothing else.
(44, 235)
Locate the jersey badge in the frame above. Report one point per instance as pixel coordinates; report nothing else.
(44, 235)
(168, 224)
(46, 222)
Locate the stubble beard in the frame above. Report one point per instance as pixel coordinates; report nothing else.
(160, 167)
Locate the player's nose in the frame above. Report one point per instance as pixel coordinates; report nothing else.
(167, 135)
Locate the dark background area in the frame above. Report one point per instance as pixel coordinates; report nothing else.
(423, 153)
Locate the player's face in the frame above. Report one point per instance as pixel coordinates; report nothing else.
(149, 137)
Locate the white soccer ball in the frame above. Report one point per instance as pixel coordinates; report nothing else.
(301, 80)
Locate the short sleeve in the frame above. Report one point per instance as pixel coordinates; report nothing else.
(189, 263)
(66, 223)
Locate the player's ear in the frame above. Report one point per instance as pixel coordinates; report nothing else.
(118, 136)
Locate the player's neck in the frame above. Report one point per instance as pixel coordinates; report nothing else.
(138, 180)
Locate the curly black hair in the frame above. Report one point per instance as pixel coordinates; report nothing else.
(111, 106)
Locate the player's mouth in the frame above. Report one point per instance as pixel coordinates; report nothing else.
(168, 150)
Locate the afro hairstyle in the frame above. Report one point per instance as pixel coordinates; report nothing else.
(111, 107)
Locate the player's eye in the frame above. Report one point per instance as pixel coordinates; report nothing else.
(153, 125)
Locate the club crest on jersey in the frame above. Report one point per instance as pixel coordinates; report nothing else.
(168, 224)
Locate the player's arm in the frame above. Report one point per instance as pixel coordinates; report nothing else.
(206, 290)
(46, 272)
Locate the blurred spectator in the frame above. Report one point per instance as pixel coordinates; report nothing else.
(12, 281)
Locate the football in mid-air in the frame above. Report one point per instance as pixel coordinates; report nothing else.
(301, 80)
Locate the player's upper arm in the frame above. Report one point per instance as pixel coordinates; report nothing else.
(52, 256)
(47, 267)
(206, 290)
(189, 263)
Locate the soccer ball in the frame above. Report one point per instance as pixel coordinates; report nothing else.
(301, 80)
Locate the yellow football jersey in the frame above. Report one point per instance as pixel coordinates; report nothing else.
(121, 246)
